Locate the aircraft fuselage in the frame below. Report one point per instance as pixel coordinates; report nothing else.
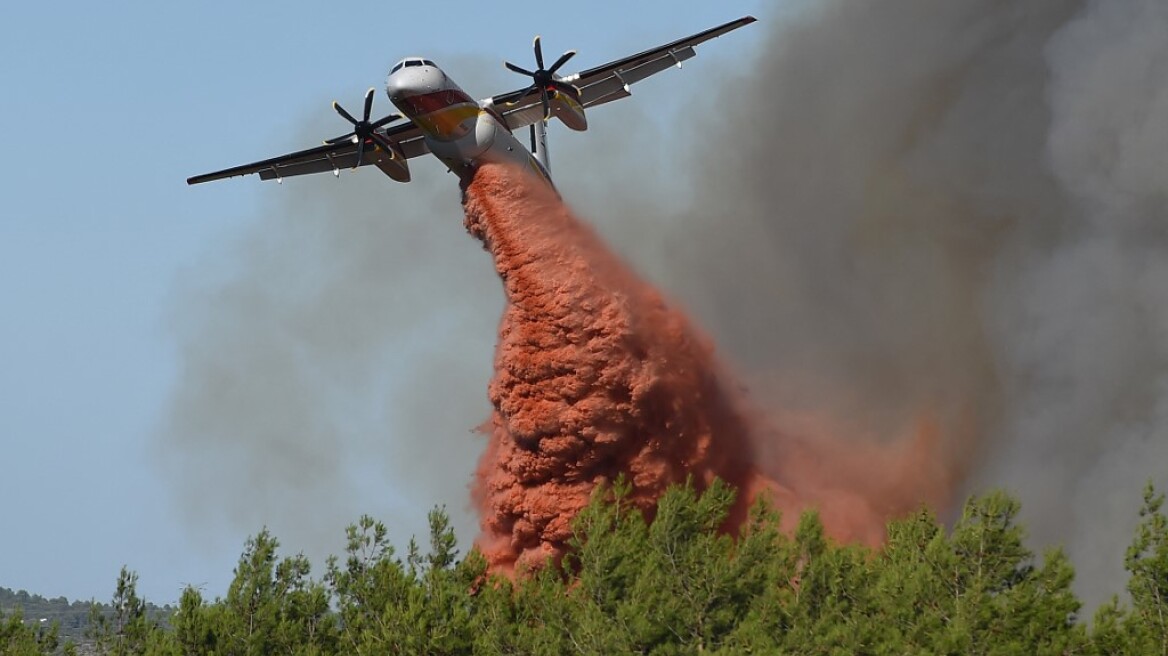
(458, 130)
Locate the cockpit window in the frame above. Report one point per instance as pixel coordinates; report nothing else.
(411, 63)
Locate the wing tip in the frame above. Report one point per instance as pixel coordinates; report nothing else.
(206, 177)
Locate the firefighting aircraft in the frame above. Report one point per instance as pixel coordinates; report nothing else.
(440, 118)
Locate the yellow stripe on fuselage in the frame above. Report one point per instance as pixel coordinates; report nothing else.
(447, 123)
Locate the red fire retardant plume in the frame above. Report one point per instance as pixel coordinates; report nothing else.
(594, 376)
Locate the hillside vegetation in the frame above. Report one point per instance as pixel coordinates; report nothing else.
(71, 619)
(673, 586)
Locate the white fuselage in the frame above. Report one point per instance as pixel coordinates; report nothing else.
(458, 130)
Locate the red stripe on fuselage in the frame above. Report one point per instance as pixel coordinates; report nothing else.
(426, 103)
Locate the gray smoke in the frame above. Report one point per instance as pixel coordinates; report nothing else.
(958, 209)
(339, 367)
(1081, 317)
(898, 209)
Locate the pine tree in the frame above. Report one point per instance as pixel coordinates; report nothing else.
(1147, 563)
(18, 638)
(273, 606)
(128, 630)
(424, 605)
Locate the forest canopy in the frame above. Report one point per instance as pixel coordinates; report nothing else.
(675, 585)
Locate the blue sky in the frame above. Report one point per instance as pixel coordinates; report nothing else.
(106, 109)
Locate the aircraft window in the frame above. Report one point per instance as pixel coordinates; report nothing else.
(416, 62)
(428, 63)
(397, 68)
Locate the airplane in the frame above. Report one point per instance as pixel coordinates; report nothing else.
(441, 119)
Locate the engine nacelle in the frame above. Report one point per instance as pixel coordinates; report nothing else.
(569, 110)
(392, 162)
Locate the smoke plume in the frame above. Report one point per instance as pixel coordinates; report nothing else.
(291, 409)
(948, 215)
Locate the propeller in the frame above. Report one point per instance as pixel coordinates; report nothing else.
(364, 130)
(545, 79)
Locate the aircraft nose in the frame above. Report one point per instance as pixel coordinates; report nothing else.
(395, 86)
(413, 81)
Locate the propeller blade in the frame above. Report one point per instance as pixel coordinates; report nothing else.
(382, 121)
(538, 52)
(340, 139)
(545, 80)
(385, 144)
(521, 71)
(570, 89)
(346, 115)
(560, 62)
(360, 152)
(369, 102)
(523, 94)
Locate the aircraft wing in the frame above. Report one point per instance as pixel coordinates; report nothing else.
(609, 81)
(329, 157)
